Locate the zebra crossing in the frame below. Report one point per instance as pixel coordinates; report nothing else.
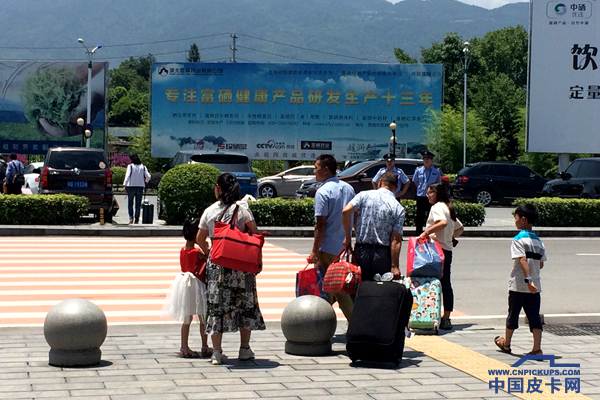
(128, 278)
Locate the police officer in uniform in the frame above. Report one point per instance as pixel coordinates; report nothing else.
(390, 166)
(424, 175)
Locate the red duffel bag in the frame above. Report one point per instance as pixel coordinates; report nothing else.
(234, 249)
(342, 276)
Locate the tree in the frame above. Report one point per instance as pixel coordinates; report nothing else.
(498, 103)
(450, 54)
(140, 143)
(129, 92)
(404, 58)
(193, 54)
(445, 137)
(505, 51)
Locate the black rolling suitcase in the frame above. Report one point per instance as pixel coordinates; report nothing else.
(377, 326)
(147, 210)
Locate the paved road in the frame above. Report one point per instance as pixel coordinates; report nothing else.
(480, 274)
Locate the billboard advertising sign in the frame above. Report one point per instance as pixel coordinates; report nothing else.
(564, 89)
(292, 111)
(40, 102)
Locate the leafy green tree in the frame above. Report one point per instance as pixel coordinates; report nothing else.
(450, 54)
(498, 103)
(504, 51)
(193, 54)
(140, 143)
(404, 58)
(445, 137)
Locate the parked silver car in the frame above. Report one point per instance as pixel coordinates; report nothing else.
(32, 177)
(285, 183)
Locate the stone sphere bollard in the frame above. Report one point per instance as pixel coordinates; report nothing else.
(75, 329)
(308, 323)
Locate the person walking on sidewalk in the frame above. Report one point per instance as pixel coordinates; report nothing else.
(390, 166)
(524, 285)
(136, 177)
(424, 175)
(14, 178)
(330, 199)
(231, 297)
(379, 228)
(442, 227)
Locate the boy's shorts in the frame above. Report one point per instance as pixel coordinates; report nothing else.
(530, 303)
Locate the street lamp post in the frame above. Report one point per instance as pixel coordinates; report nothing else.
(393, 138)
(89, 88)
(466, 65)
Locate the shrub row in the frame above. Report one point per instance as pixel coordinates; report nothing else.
(565, 212)
(283, 212)
(56, 209)
(289, 212)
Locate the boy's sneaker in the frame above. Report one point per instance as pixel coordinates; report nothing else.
(446, 324)
(246, 354)
(217, 357)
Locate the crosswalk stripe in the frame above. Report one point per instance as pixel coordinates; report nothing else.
(128, 278)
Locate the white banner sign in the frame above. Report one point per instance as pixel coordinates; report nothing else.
(564, 79)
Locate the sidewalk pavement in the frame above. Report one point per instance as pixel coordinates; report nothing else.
(141, 362)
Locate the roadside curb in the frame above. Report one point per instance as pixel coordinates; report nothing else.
(274, 231)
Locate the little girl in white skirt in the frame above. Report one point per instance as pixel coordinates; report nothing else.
(187, 295)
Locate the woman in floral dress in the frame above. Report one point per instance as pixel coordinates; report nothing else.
(232, 301)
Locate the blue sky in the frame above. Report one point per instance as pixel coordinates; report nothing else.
(489, 4)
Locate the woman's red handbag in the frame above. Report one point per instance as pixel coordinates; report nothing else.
(342, 277)
(234, 249)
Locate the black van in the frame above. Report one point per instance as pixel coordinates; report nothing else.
(83, 172)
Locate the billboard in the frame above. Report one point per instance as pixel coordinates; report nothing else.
(564, 90)
(292, 111)
(40, 102)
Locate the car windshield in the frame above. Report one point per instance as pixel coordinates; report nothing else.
(84, 160)
(224, 163)
(356, 167)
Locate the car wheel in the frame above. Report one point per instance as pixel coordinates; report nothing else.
(267, 191)
(483, 197)
(585, 196)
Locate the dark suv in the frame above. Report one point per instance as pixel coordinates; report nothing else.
(580, 180)
(82, 172)
(485, 182)
(360, 177)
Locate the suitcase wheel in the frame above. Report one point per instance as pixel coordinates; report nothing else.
(436, 328)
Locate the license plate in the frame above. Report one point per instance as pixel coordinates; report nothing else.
(77, 184)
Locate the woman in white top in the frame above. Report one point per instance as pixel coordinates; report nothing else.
(231, 297)
(442, 227)
(136, 177)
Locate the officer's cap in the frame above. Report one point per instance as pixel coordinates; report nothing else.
(427, 154)
(389, 157)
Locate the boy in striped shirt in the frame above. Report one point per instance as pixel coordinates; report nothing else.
(524, 285)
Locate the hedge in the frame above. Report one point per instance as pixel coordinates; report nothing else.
(557, 212)
(283, 212)
(300, 212)
(186, 191)
(55, 209)
(118, 175)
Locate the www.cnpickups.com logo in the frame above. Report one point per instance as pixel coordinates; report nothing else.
(561, 377)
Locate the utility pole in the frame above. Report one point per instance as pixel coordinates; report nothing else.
(233, 48)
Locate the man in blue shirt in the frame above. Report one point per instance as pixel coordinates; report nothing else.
(14, 167)
(423, 177)
(330, 199)
(379, 229)
(390, 166)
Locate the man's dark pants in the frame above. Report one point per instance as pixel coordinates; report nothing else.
(373, 259)
(423, 207)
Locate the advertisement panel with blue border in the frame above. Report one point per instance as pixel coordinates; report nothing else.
(292, 111)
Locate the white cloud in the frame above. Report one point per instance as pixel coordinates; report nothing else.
(489, 4)
(316, 83)
(356, 83)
